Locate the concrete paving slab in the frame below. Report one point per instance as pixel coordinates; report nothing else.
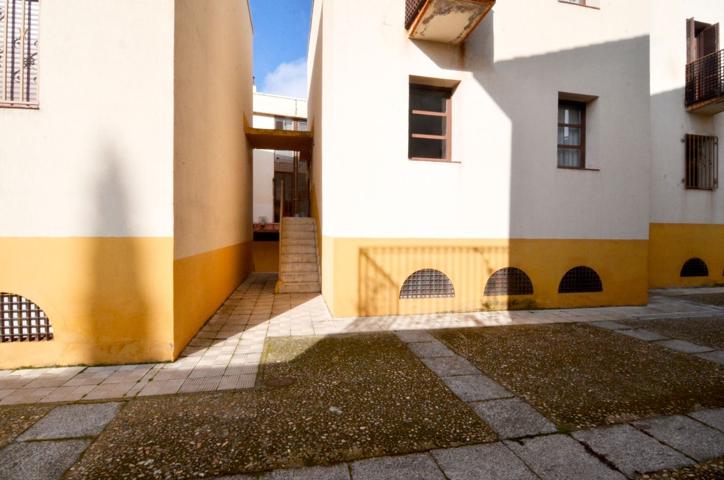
(39, 460)
(714, 418)
(471, 388)
(334, 472)
(559, 457)
(609, 325)
(72, 421)
(684, 346)
(414, 336)
(693, 438)
(407, 467)
(642, 334)
(513, 418)
(482, 462)
(430, 349)
(716, 356)
(449, 366)
(630, 450)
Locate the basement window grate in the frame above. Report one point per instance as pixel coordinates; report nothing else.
(694, 267)
(579, 280)
(22, 321)
(427, 283)
(509, 281)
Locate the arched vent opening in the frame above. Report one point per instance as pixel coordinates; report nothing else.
(427, 283)
(695, 267)
(22, 321)
(509, 281)
(580, 279)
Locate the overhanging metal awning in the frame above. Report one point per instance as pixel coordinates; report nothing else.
(269, 139)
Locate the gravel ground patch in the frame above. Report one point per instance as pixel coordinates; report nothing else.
(318, 402)
(702, 331)
(15, 420)
(581, 376)
(713, 470)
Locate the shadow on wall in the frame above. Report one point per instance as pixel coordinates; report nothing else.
(601, 195)
(116, 303)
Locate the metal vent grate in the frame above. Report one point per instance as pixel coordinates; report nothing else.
(695, 267)
(580, 279)
(509, 281)
(427, 283)
(22, 321)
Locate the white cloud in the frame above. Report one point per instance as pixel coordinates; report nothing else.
(288, 79)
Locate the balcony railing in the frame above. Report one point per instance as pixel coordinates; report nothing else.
(705, 83)
(445, 21)
(412, 9)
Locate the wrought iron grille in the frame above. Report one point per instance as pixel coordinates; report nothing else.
(19, 52)
(412, 9)
(702, 162)
(694, 267)
(427, 283)
(509, 281)
(22, 321)
(705, 78)
(580, 279)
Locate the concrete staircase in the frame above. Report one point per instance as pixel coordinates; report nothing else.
(299, 261)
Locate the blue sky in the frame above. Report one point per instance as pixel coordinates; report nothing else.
(281, 32)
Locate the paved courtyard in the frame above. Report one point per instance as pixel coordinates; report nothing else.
(273, 387)
(226, 352)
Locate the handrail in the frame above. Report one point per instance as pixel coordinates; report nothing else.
(705, 78)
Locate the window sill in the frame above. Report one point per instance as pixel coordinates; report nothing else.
(580, 169)
(579, 5)
(21, 106)
(434, 160)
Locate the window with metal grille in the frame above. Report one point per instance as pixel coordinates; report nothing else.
(584, 3)
(580, 279)
(429, 123)
(19, 53)
(22, 321)
(694, 267)
(702, 162)
(427, 283)
(509, 281)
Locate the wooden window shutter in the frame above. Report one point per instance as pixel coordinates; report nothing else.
(691, 53)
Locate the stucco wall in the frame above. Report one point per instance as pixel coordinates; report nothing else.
(671, 202)
(87, 198)
(212, 164)
(511, 69)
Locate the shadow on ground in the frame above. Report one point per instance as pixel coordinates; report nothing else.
(318, 401)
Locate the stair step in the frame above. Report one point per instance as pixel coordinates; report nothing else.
(298, 220)
(288, 249)
(298, 235)
(300, 277)
(298, 227)
(299, 267)
(300, 287)
(299, 258)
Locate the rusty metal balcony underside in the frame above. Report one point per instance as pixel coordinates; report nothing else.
(445, 21)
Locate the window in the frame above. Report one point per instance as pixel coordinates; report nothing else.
(702, 162)
(429, 123)
(571, 134)
(580, 279)
(427, 283)
(19, 53)
(22, 321)
(509, 281)
(291, 124)
(694, 267)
